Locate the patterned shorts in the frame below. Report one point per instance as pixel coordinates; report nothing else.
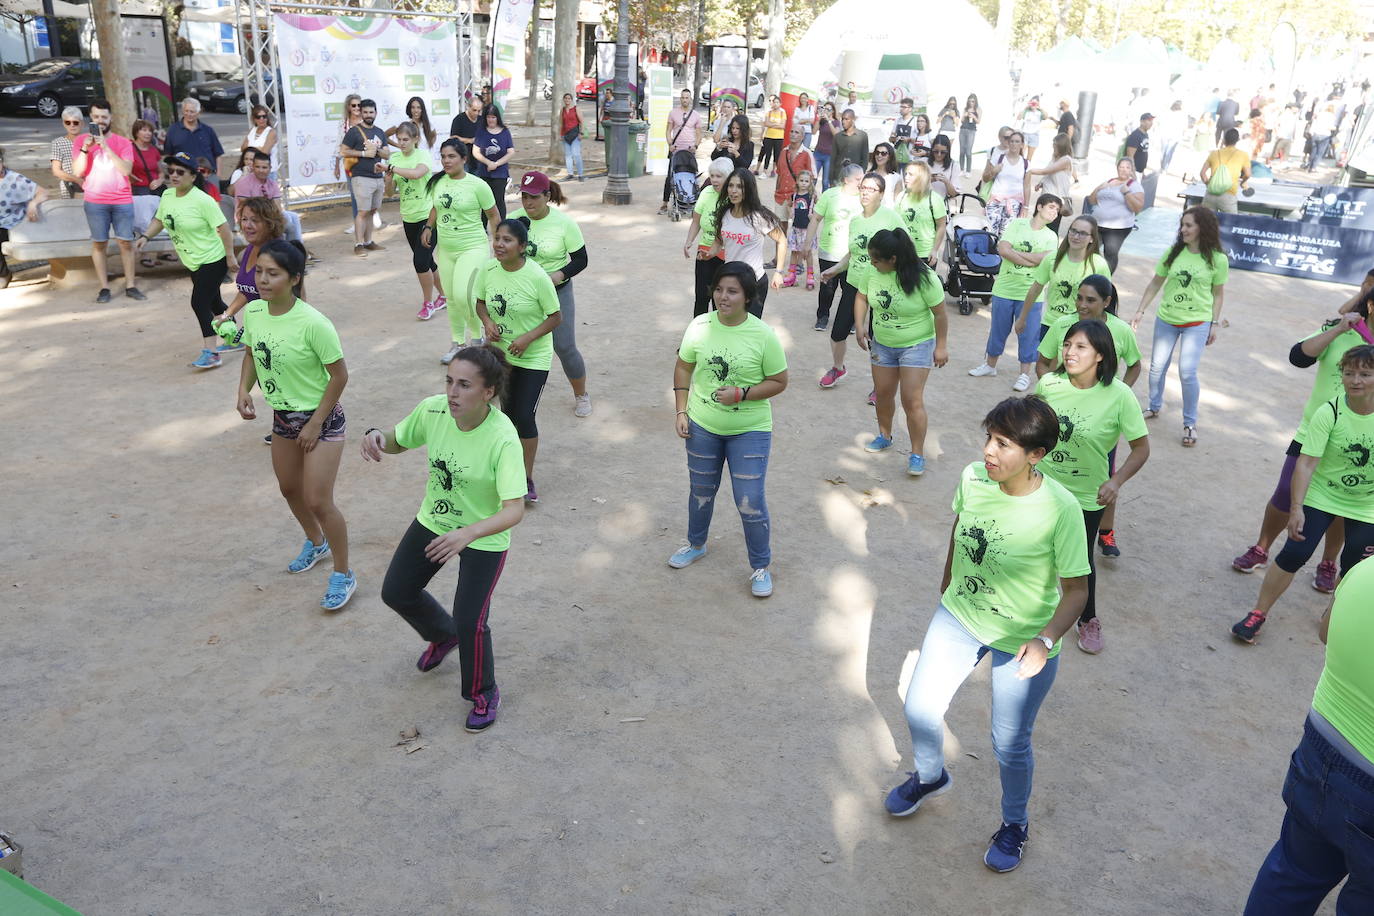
(288, 424)
(796, 240)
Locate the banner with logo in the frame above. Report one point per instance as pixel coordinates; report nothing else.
(1291, 248)
(324, 59)
(658, 99)
(899, 76)
(729, 74)
(605, 78)
(1346, 207)
(508, 26)
(145, 54)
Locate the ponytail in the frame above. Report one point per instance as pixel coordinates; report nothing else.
(895, 243)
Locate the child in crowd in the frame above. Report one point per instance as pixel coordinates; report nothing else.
(802, 201)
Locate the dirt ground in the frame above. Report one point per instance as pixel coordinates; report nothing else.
(186, 732)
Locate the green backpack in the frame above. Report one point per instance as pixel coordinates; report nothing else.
(1221, 180)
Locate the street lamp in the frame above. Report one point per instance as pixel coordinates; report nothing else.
(617, 191)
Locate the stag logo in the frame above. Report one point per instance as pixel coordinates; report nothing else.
(978, 550)
(442, 475)
(1359, 454)
(499, 305)
(265, 353)
(719, 368)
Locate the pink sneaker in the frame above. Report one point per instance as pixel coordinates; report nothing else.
(440, 302)
(873, 398)
(1325, 579)
(1090, 636)
(833, 375)
(426, 311)
(1254, 558)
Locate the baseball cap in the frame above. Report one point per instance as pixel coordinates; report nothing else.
(1147, 117)
(534, 183)
(182, 159)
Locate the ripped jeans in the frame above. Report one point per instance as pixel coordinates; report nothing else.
(747, 454)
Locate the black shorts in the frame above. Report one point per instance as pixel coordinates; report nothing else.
(288, 424)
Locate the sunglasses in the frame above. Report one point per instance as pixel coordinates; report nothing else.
(354, 105)
(78, 123)
(176, 173)
(881, 152)
(260, 117)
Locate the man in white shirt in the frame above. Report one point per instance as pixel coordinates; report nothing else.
(683, 133)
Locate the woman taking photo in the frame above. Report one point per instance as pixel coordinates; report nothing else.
(921, 139)
(426, 138)
(1193, 276)
(262, 136)
(493, 148)
(570, 119)
(518, 308)
(774, 128)
(557, 246)
(804, 116)
(472, 500)
(923, 212)
(702, 232)
(827, 125)
(1010, 177)
(1057, 177)
(200, 234)
(410, 169)
(742, 224)
(830, 221)
(968, 132)
(297, 361)
(1115, 202)
(883, 160)
(728, 365)
(944, 175)
(736, 145)
(1096, 409)
(459, 204)
(948, 118)
(909, 335)
(1056, 279)
(1011, 596)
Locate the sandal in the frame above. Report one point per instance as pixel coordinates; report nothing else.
(1189, 436)
(1151, 413)
(147, 262)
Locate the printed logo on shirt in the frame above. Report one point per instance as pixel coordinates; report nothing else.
(1064, 289)
(499, 304)
(1185, 278)
(532, 249)
(1071, 423)
(445, 201)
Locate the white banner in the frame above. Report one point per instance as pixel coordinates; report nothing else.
(508, 26)
(145, 54)
(324, 59)
(729, 74)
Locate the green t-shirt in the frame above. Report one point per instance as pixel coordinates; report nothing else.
(706, 209)
(902, 319)
(1060, 285)
(920, 217)
(1343, 483)
(1345, 690)
(470, 473)
(1091, 422)
(1187, 296)
(1327, 384)
(742, 356)
(290, 352)
(459, 204)
(1123, 336)
(415, 202)
(518, 301)
(861, 229)
(1009, 554)
(553, 239)
(192, 220)
(837, 210)
(1014, 280)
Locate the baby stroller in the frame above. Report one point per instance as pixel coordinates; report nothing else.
(971, 252)
(683, 181)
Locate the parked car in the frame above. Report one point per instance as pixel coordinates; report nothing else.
(756, 96)
(586, 88)
(49, 85)
(227, 94)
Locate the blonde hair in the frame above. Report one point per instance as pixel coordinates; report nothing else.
(921, 187)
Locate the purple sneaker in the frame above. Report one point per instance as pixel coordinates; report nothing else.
(434, 655)
(484, 711)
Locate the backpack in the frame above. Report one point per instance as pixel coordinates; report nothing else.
(1221, 180)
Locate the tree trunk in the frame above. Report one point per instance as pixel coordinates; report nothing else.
(532, 66)
(564, 70)
(777, 32)
(109, 30)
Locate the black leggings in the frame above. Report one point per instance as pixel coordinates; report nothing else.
(760, 296)
(206, 301)
(1112, 240)
(498, 190)
(772, 152)
(521, 399)
(403, 590)
(825, 295)
(1091, 522)
(706, 270)
(1359, 541)
(844, 314)
(421, 256)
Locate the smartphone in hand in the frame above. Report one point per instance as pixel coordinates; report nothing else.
(94, 129)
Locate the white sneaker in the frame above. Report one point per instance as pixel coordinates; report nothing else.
(982, 369)
(582, 405)
(1022, 382)
(348, 231)
(452, 352)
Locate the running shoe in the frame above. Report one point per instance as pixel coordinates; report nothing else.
(982, 369)
(531, 494)
(484, 711)
(879, 443)
(373, 246)
(103, 295)
(133, 292)
(1324, 580)
(686, 555)
(833, 375)
(341, 587)
(1254, 558)
(440, 302)
(1106, 542)
(909, 796)
(426, 311)
(308, 557)
(228, 348)
(360, 250)
(873, 398)
(433, 656)
(761, 583)
(267, 439)
(1022, 382)
(1090, 636)
(915, 465)
(820, 324)
(582, 405)
(208, 359)
(1249, 628)
(1007, 847)
(452, 352)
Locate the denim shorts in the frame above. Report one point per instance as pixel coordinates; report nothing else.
(288, 424)
(920, 356)
(101, 217)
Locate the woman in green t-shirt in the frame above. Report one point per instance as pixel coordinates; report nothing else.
(728, 365)
(1014, 583)
(1096, 409)
(410, 169)
(1193, 275)
(923, 212)
(1056, 279)
(200, 234)
(829, 233)
(472, 501)
(1333, 480)
(701, 234)
(295, 357)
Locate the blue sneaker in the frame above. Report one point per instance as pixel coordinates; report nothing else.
(1006, 848)
(226, 348)
(761, 583)
(308, 557)
(907, 797)
(879, 443)
(686, 556)
(341, 587)
(208, 359)
(915, 465)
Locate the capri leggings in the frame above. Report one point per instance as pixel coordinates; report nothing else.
(825, 295)
(706, 269)
(520, 400)
(844, 312)
(1282, 499)
(456, 270)
(1092, 522)
(420, 255)
(1112, 240)
(1359, 541)
(565, 335)
(206, 301)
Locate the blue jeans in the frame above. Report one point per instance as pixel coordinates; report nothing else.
(1327, 834)
(948, 656)
(572, 156)
(1194, 340)
(822, 168)
(1004, 312)
(1320, 145)
(747, 454)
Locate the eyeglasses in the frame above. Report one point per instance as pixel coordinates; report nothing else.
(1079, 233)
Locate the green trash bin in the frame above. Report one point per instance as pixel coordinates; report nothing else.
(639, 148)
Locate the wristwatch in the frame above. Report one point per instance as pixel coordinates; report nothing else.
(1049, 643)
